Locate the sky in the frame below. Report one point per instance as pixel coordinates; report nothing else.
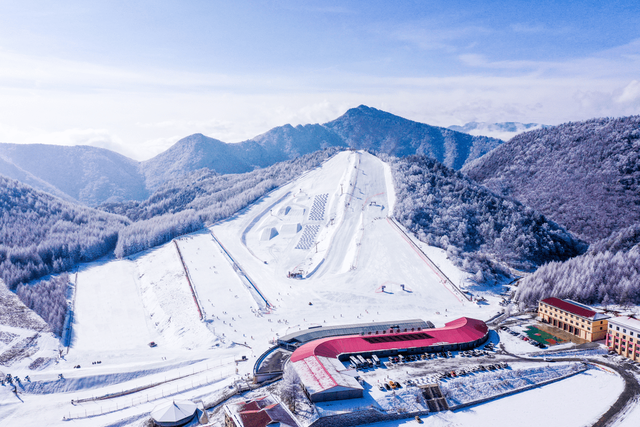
(136, 76)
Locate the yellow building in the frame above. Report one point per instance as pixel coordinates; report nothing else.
(623, 337)
(575, 318)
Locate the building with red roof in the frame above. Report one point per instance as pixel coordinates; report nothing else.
(575, 318)
(324, 377)
(261, 412)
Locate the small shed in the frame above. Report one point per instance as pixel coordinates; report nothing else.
(174, 413)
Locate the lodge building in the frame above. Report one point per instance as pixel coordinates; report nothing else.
(574, 318)
(623, 337)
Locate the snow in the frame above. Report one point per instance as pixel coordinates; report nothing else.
(470, 388)
(247, 300)
(590, 394)
(102, 324)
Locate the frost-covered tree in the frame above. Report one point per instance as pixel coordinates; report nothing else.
(583, 175)
(48, 298)
(474, 225)
(609, 273)
(41, 234)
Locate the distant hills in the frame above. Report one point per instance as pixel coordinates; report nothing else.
(89, 175)
(583, 175)
(93, 176)
(504, 130)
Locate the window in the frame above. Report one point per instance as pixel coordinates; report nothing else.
(617, 328)
(624, 331)
(631, 333)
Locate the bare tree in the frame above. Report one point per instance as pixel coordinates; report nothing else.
(290, 387)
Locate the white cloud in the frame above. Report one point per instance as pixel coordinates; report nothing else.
(140, 113)
(631, 93)
(432, 35)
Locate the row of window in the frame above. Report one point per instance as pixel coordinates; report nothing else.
(565, 314)
(624, 331)
(628, 339)
(571, 321)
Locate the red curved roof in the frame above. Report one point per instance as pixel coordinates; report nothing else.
(461, 330)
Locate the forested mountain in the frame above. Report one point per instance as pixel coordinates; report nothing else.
(93, 176)
(198, 151)
(360, 128)
(446, 209)
(88, 175)
(374, 130)
(583, 175)
(608, 273)
(41, 234)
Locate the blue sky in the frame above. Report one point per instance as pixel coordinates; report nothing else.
(135, 76)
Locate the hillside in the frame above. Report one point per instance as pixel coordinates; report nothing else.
(609, 273)
(583, 175)
(475, 226)
(88, 175)
(41, 234)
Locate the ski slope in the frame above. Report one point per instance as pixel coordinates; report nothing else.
(320, 250)
(356, 252)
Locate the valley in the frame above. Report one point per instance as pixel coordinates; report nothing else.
(318, 251)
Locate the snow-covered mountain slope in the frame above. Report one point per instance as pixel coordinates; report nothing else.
(366, 128)
(319, 250)
(323, 239)
(41, 234)
(583, 175)
(88, 175)
(504, 131)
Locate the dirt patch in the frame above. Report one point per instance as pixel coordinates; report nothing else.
(14, 313)
(40, 362)
(25, 348)
(7, 337)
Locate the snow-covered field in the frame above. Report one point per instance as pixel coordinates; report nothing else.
(350, 264)
(576, 401)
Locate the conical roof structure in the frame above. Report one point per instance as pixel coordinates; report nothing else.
(173, 413)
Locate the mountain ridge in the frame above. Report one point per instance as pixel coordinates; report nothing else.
(93, 176)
